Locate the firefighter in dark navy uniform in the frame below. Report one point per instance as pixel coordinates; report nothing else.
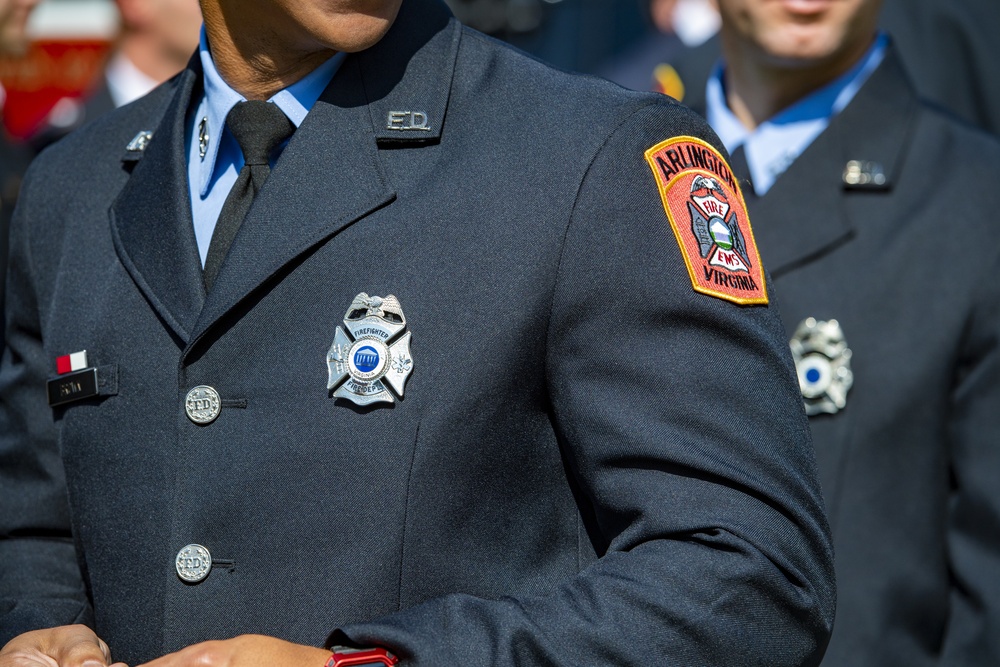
(368, 333)
(870, 211)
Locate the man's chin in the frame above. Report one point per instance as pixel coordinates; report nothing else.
(800, 49)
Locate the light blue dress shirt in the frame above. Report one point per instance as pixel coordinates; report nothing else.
(777, 142)
(211, 177)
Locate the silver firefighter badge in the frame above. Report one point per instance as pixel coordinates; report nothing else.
(823, 363)
(373, 354)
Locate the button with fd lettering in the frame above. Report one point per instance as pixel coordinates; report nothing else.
(202, 405)
(193, 563)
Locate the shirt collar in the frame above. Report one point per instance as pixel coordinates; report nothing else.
(775, 143)
(219, 98)
(126, 82)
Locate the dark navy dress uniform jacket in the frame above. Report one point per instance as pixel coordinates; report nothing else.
(592, 464)
(911, 466)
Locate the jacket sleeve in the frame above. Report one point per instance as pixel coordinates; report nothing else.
(682, 425)
(40, 581)
(973, 634)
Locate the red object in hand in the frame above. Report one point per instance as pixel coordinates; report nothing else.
(353, 657)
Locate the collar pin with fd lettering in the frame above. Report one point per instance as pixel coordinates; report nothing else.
(373, 354)
(408, 120)
(823, 364)
(864, 174)
(139, 142)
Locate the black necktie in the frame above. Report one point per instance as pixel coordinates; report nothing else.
(259, 128)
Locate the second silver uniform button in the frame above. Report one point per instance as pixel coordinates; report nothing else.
(203, 404)
(193, 563)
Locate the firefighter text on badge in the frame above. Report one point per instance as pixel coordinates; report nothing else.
(707, 213)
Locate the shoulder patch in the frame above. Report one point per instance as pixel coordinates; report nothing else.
(706, 210)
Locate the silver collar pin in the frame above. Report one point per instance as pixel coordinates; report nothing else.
(408, 120)
(864, 174)
(203, 137)
(139, 142)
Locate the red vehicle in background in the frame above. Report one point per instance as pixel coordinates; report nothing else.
(70, 41)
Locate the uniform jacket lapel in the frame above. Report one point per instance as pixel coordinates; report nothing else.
(805, 214)
(329, 176)
(694, 67)
(151, 219)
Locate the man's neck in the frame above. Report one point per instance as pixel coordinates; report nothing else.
(251, 67)
(145, 56)
(757, 90)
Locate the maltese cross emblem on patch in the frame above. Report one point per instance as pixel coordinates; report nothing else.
(373, 355)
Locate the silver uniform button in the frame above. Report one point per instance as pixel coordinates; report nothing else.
(193, 563)
(202, 405)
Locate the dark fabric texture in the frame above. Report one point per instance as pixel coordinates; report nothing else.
(592, 464)
(259, 128)
(951, 49)
(909, 467)
(694, 66)
(13, 162)
(93, 105)
(634, 68)
(738, 162)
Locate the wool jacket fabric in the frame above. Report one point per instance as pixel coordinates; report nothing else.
(95, 104)
(592, 464)
(951, 50)
(13, 162)
(906, 265)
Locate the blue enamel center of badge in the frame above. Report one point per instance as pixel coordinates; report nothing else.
(366, 359)
(813, 375)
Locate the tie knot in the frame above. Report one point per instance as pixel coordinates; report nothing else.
(259, 128)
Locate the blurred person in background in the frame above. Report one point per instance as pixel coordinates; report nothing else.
(13, 157)
(157, 39)
(949, 48)
(868, 210)
(13, 25)
(577, 35)
(675, 26)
